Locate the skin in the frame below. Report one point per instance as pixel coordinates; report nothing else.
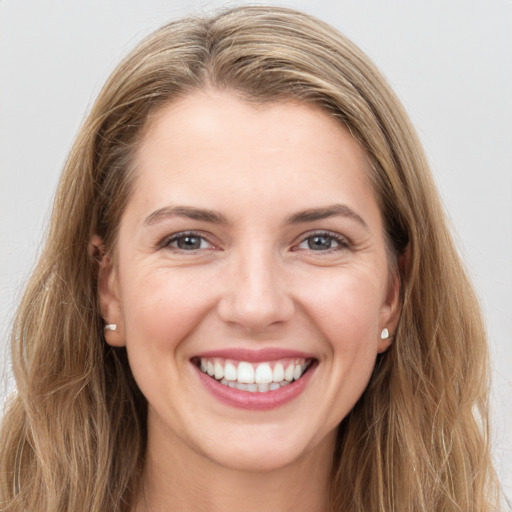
(254, 282)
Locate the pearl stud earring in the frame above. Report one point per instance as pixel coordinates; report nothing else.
(111, 327)
(384, 335)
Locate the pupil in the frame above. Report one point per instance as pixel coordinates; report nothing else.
(189, 242)
(319, 242)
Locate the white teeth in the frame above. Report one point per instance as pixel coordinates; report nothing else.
(245, 373)
(288, 374)
(219, 370)
(278, 373)
(253, 377)
(230, 371)
(253, 388)
(263, 374)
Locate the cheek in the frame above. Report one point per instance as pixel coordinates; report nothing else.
(347, 308)
(161, 308)
(344, 307)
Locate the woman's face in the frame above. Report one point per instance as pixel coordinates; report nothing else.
(252, 249)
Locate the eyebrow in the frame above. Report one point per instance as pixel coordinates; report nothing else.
(205, 215)
(335, 210)
(187, 212)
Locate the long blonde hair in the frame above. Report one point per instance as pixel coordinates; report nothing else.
(73, 437)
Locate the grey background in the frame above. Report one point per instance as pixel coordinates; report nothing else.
(450, 61)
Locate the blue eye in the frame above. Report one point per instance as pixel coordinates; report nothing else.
(187, 242)
(323, 242)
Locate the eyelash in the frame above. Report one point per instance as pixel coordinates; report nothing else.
(341, 241)
(166, 243)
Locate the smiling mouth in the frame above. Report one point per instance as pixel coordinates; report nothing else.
(254, 377)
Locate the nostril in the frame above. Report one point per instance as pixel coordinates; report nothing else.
(256, 313)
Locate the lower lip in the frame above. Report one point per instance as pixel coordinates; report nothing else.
(256, 401)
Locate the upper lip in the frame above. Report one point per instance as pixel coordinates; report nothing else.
(255, 356)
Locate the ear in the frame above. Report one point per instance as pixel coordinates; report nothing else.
(110, 304)
(390, 312)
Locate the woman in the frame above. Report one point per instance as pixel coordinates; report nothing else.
(249, 296)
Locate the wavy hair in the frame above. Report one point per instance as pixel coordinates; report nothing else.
(73, 436)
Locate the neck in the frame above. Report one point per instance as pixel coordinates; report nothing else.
(190, 482)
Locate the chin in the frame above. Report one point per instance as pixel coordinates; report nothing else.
(254, 460)
(261, 450)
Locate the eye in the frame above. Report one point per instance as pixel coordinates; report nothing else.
(187, 242)
(322, 242)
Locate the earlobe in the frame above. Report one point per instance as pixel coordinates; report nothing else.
(390, 314)
(110, 304)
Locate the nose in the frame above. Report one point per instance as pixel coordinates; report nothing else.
(256, 296)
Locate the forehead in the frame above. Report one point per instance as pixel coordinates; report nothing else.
(213, 145)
